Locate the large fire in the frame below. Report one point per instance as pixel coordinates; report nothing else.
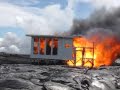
(106, 50)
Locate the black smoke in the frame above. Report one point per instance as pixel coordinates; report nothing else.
(104, 19)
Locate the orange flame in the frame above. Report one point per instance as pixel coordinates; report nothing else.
(105, 51)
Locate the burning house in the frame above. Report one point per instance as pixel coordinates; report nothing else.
(103, 30)
(63, 48)
(76, 50)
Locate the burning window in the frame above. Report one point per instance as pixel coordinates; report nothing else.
(36, 39)
(48, 46)
(42, 46)
(55, 47)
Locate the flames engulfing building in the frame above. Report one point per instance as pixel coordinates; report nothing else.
(61, 48)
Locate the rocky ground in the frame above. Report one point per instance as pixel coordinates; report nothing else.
(17, 73)
(6, 58)
(58, 77)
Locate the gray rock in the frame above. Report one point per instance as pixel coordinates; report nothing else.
(117, 61)
(38, 88)
(103, 84)
(36, 81)
(83, 81)
(56, 86)
(35, 77)
(15, 84)
(117, 84)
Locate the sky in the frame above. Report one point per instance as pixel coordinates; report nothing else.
(44, 17)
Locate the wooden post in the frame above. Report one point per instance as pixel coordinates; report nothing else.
(75, 56)
(45, 47)
(38, 62)
(83, 53)
(51, 46)
(32, 45)
(38, 46)
(93, 56)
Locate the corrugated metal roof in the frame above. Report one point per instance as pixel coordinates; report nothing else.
(49, 36)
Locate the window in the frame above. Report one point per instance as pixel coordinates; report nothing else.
(35, 49)
(42, 46)
(55, 47)
(67, 45)
(48, 46)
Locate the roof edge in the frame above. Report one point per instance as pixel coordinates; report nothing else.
(49, 36)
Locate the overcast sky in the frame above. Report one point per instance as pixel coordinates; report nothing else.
(20, 17)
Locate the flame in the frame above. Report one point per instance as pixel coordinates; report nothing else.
(105, 51)
(42, 45)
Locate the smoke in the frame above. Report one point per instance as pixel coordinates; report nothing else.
(102, 18)
(102, 28)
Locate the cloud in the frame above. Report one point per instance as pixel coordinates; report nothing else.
(21, 2)
(10, 49)
(2, 49)
(108, 4)
(34, 20)
(10, 43)
(8, 14)
(10, 39)
(51, 19)
(13, 49)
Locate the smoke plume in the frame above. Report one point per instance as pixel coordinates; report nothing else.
(102, 18)
(102, 28)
